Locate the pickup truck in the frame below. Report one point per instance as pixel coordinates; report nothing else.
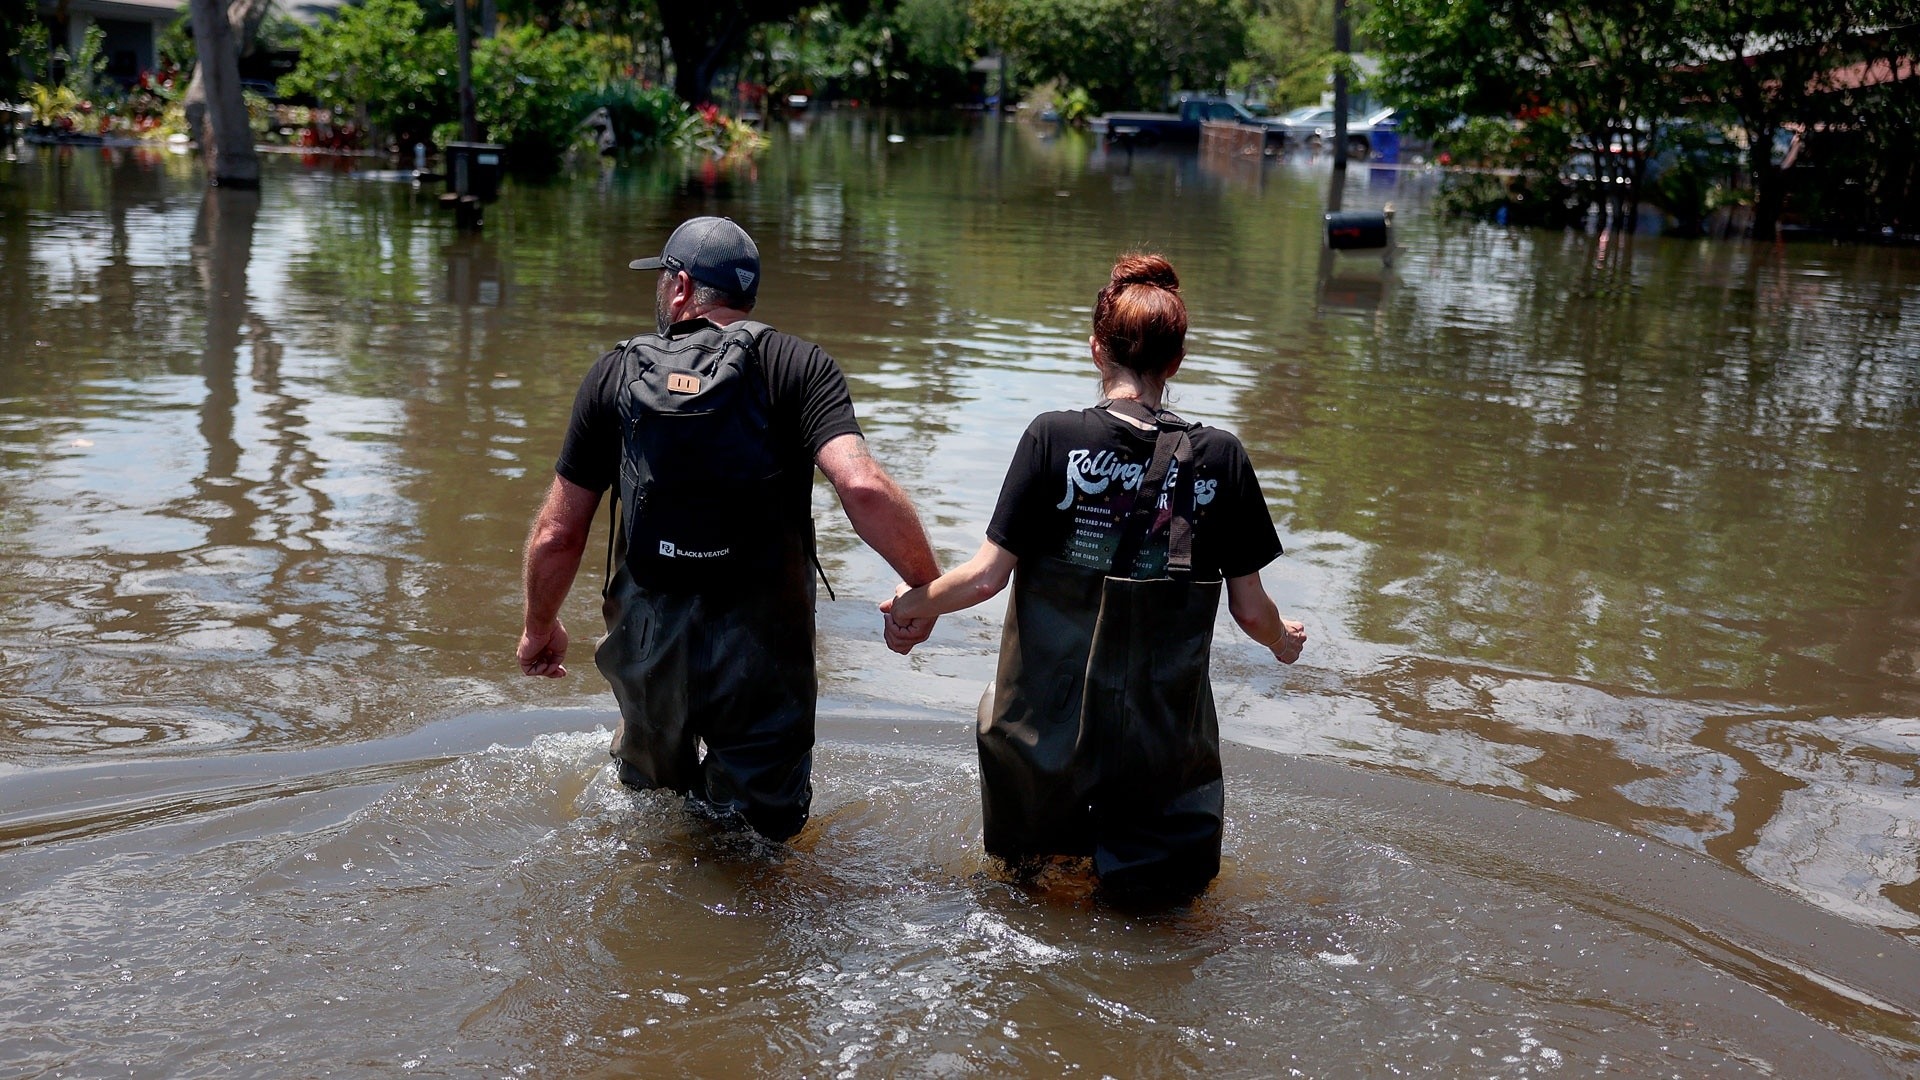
(1148, 128)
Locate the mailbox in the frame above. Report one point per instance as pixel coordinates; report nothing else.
(1356, 230)
(474, 169)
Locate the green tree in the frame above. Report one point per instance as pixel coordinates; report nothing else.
(17, 61)
(1289, 51)
(706, 37)
(935, 33)
(1761, 66)
(1597, 72)
(1123, 52)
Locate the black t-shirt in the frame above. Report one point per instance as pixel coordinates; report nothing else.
(806, 391)
(1076, 476)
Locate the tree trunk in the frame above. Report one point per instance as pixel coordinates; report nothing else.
(698, 49)
(1769, 186)
(245, 16)
(229, 148)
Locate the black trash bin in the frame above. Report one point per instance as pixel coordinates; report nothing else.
(474, 169)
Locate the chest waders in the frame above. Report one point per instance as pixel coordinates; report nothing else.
(710, 591)
(1099, 735)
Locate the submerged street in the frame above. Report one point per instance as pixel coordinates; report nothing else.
(1601, 758)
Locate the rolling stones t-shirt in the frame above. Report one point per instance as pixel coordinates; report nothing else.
(1077, 475)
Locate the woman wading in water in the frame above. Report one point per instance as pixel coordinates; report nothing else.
(1117, 525)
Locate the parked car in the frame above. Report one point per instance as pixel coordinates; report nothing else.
(1312, 126)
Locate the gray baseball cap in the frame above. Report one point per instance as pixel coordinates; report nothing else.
(713, 251)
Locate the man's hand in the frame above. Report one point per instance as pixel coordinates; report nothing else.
(903, 634)
(1293, 638)
(543, 651)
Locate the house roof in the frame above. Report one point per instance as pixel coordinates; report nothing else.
(1867, 73)
(159, 11)
(309, 11)
(154, 11)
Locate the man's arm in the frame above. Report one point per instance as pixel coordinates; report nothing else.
(554, 545)
(879, 511)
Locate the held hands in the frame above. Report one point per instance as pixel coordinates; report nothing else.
(542, 652)
(1292, 638)
(903, 634)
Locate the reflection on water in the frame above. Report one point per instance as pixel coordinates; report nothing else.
(1623, 527)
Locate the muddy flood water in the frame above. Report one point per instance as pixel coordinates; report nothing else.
(1603, 759)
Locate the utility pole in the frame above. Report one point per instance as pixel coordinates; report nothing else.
(468, 131)
(1342, 50)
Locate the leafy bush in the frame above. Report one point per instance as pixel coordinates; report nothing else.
(379, 57)
(1522, 179)
(70, 104)
(173, 45)
(532, 89)
(1518, 199)
(641, 116)
(1693, 176)
(53, 106)
(87, 72)
(719, 135)
(526, 91)
(1075, 105)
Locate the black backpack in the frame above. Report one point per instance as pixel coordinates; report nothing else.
(698, 468)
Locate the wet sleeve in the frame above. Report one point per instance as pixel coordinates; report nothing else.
(1246, 537)
(590, 454)
(1019, 518)
(811, 383)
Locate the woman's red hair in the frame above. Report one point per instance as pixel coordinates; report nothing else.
(1139, 320)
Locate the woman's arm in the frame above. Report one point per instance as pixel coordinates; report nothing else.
(1253, 609)
(979, 578)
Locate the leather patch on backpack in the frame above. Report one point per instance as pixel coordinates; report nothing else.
(683, 384)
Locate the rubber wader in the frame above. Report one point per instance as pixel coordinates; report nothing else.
(1099, 735)
(731, 670)
(710, 645)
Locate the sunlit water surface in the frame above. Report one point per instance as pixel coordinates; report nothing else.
(1602, 758)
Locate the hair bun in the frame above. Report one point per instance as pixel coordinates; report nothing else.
(1145, 268)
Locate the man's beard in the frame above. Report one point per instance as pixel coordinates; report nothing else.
(661, 316)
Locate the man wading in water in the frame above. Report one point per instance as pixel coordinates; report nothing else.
(1117, 525)
(711, 428)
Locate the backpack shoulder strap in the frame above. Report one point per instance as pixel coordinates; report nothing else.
(757, 330)
(629, 351)
(616, 544)
(755, 333)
